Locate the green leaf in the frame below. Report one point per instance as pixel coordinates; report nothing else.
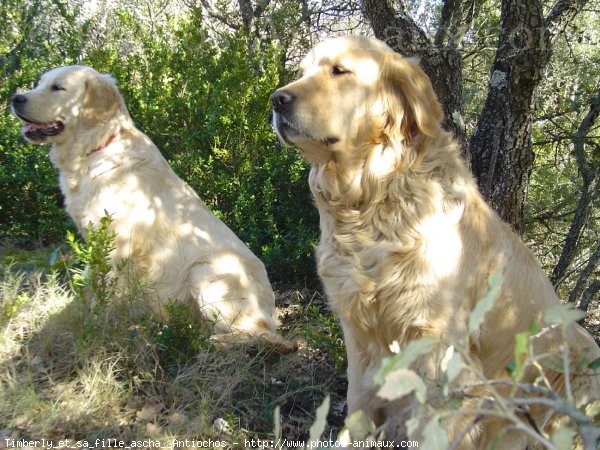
(521, 354)
(510, 367)
(534, 327)
(358, 425)
(403, 382)
(563, 438)
(595, 364)
(435, 435)
(405, 358)
(593, 409)
(454, 366)
(484, 305)
(563, 313)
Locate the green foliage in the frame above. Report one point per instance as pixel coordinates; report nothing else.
(13, 300)
(30, 208)
(205, 103)
(180, 337)
(436, 401)
(324, 331)
(485, 304)
(92, 269)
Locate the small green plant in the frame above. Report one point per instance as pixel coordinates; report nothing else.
(12, 299)
(92, 271)
(181, 337)
(326, 335)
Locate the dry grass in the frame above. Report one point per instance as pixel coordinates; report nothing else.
(117, 373)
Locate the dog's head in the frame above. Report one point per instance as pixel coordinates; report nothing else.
(353, 92)
(66, 101)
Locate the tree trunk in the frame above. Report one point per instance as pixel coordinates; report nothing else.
(580, 292)
(501, 154)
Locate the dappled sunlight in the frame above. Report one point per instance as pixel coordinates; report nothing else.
(443, 248)
(81, 372)
(382, 162)
(231, 264)
(108, 167)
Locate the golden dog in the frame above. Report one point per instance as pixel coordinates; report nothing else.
(107, 165)
(407, 242)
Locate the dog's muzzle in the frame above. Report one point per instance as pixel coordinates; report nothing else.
(32, 130)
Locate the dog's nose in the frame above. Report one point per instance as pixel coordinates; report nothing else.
(281, 100)
(19, 99)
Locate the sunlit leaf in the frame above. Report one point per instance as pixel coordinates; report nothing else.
(435, 436)
(405, 358)
(563, 313)
(521, 353)
(563, 438)
(403, 382)
(358, 425)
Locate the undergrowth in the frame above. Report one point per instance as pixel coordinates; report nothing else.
(83, 358)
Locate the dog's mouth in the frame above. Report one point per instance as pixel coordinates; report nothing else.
(288, 132)
(37, 131)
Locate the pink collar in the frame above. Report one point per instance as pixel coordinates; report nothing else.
(106, 144)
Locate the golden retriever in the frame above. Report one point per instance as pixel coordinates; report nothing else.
(407, 242)
(106, 165)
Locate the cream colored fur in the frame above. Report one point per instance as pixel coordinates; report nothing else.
(407, 242)
(162, 226)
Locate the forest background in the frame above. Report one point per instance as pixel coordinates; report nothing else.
(519, 82)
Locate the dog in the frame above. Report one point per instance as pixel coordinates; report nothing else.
(407, 242)
(106, 165)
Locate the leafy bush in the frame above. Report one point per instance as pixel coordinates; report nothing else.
(180, 337)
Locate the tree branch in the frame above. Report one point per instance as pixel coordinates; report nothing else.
(456, 19)
(218, 16)
(589, 191)
(561, 14)
(443, 64)
(396, 28)
(585, 275)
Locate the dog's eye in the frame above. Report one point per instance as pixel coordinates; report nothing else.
(338, 69)
(56, 87)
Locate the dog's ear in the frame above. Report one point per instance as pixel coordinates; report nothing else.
(409, 100)
(102, 99)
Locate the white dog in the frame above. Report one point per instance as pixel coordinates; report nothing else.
(162, 226)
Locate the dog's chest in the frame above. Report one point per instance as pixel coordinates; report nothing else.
(388, 281)
(89, 197)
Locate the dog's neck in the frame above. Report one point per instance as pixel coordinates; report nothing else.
(73, 155)
(357, 184)
(106, 144)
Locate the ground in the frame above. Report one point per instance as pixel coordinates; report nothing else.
(113, 372)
